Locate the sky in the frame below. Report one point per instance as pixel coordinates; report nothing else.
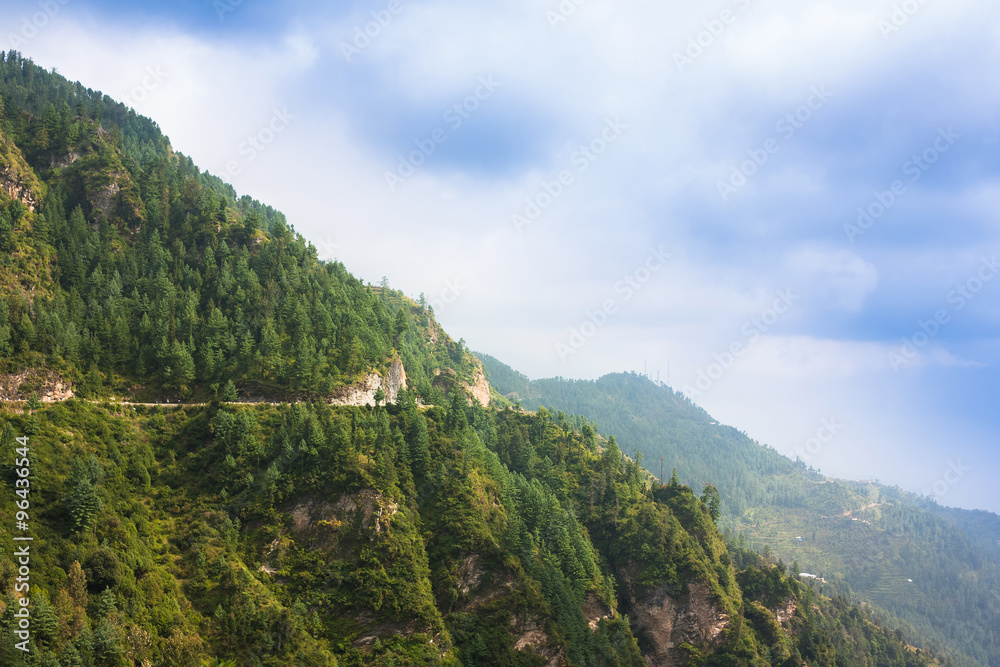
(785, 209)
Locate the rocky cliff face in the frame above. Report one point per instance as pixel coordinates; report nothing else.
(480, 388)
(395, 381)
(661, 623)
(364, 392)
(49, 386)
(785, 613)
(595, 611)
(64, 161)
(531, 637)
(17, 180)
(17, 189)
(104, 199)
(366, 512)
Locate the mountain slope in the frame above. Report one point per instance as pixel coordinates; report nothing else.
(862, 537)
(314, 535)
(167, 284)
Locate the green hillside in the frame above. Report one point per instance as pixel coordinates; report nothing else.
(309, 535)
(138, 273)
(302, 506)
(864, 538)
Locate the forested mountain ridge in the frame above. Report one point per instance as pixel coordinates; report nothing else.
(127, 269)
(929, 568)
(310, 533)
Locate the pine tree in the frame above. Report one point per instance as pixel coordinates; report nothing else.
(712, 499)
(77, 584)
(82, 501)
(229, 393)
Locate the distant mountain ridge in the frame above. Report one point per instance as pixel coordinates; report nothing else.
(864, 538)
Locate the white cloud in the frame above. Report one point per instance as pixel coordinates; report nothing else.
(835, 278)
(213, 93)
(806, 358)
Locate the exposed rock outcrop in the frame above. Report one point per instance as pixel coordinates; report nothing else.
(367, 511)
(65, 160)
(595, 611)
(104, 199)
(470, 574)
(17, 189)
(480, 388)
(785, 614)
(662, 623)
(17, 180)
(531, 637)
(364, 392)
(478, 585)
(49, 386)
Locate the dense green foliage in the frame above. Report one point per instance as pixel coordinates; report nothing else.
(310, 535)
(950, 555)
(154, 273)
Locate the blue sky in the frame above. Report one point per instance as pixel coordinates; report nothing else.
(739, 137)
